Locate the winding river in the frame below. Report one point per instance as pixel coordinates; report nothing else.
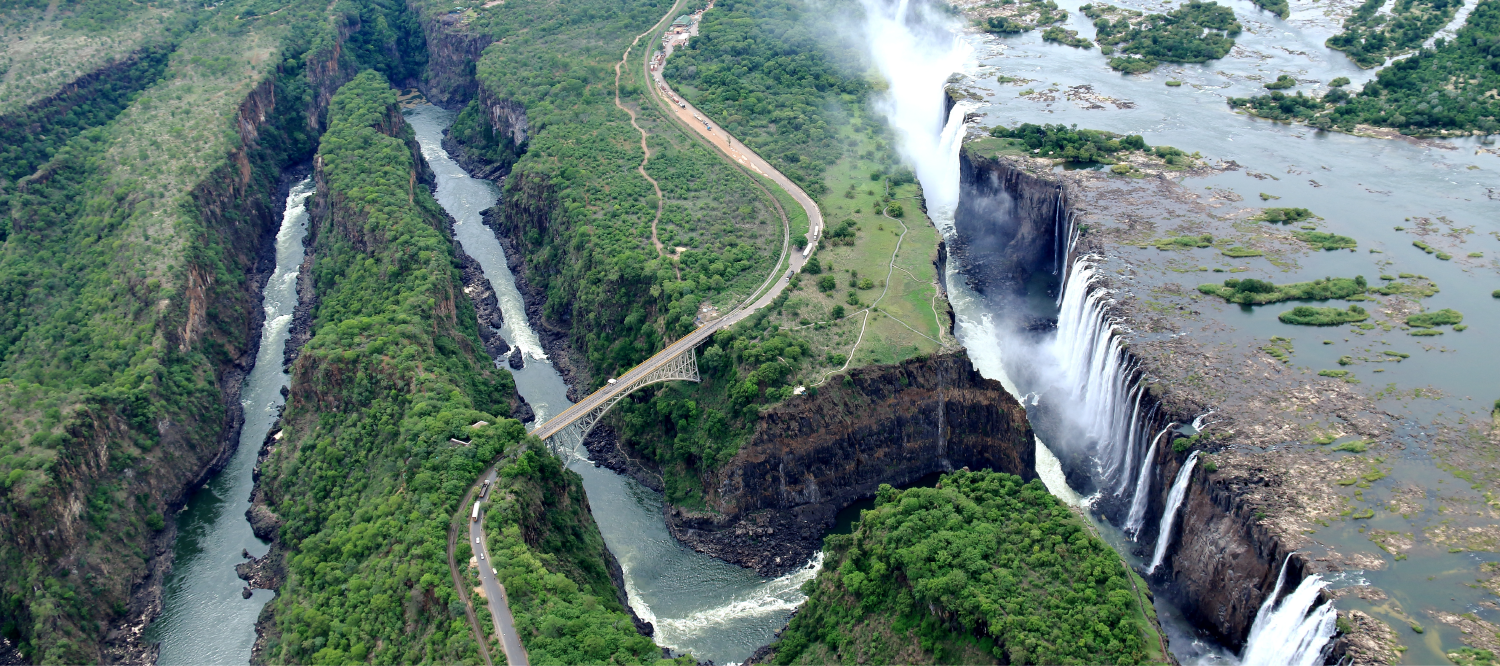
(699, 605)
(205, 619)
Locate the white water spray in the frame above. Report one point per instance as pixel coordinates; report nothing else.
(1095, 374)
(1169, 516)
(1292, 632)
(1138, 501)
(916, 50)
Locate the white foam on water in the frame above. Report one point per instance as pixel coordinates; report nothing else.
(1291, 631)
(1169, 516)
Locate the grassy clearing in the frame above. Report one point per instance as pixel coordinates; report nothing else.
(39, 55)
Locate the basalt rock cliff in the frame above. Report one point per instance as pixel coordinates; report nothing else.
(814, 455)
(1221, 561)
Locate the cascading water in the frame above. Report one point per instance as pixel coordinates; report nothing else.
(1137, 517)
(1294, 631)
(204, 620)
(1098, 378)
(1169, 516)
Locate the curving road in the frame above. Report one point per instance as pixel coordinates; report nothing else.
(775, 283)
(736, 151)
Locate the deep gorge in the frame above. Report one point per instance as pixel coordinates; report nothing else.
(1014, 232)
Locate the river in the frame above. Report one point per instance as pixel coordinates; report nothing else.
(204, 618)
(699, 604)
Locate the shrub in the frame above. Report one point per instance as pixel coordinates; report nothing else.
(1284, 215)
(837, 312)
(1336, 374)
(1183, 242)
(827, 283)
(1307, 315)
(1325, 240)
(1069, 143)
(1281, 83)
(1443, 317)
(1250, 291)
(1339, 82)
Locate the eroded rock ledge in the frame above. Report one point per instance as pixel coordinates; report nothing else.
(817, 454)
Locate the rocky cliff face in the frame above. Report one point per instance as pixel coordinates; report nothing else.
(1009, 227)
(815, 455)
(452, 53)
(1222, 560)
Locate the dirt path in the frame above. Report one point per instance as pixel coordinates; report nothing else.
(644, 148)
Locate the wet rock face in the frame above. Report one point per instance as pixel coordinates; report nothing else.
(1006, 226)
(815, 455)
(1222, 564)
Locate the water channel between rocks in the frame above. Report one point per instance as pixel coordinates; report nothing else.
(204, 618)
(701, 605)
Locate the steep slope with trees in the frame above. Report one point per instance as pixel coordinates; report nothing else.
(131, 303)
(378, 442)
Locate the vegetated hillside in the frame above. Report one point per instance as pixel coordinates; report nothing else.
(555, 568)
(761, 68)
(130, 316)
(984, 568)
(379, 443)
(45, 46)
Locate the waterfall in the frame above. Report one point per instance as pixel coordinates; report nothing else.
(1169, 516)
(1096, 374)
(1138, 501)
(1292, 632)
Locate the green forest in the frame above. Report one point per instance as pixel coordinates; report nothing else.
(762, 69)
(393, 376)
(1195, 32)
(1440, 91)
(1369, 37)
(551, 560)
(983, 568)
(126, 303)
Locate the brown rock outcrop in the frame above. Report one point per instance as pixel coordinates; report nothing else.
(814, 455)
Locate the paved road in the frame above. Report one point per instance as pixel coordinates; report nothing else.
(499, 606)
(505, 624)
(747, 158)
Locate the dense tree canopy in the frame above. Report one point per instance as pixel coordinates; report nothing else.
(986, 552)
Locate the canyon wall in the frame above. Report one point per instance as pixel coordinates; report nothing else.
(1006, 227)
(1220, 563)
(814, 455)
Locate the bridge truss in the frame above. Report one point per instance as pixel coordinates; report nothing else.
(567, 436)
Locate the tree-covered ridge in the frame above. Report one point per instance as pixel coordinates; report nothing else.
(764, 71)
(1441, 90)
(581, 211)
(551, 559)
(123, 267)
(380, 441)
(1194, 32)
(984, 553)
(1369, 36)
